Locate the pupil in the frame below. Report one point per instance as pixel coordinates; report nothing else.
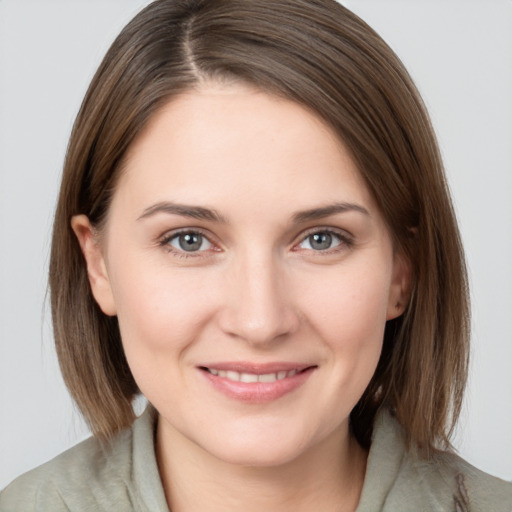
(190, 241)
(320, 241)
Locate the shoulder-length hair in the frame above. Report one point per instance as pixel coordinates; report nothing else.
(320, 55)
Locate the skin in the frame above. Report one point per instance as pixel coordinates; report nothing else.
(257, 290)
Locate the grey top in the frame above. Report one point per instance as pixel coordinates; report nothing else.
(122, 475)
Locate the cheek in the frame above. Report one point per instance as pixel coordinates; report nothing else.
(349, 314)
(161, 316)
(350, 305)
(159, 311)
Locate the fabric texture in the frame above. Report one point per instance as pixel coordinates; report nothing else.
(122, 475)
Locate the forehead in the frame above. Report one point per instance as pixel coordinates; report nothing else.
(223, 141)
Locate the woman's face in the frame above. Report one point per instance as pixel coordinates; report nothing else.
(251, 272)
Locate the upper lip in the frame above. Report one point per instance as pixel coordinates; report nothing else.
(256, 368)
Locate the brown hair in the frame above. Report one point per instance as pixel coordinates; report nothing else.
(319, 54)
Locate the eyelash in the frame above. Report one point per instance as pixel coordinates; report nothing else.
(345, 241)
(168, 237)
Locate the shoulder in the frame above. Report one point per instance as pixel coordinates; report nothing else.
(93, 475)
(399, 480)
(75, 480)
(467, 488)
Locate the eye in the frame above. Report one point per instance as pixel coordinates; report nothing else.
(189, 241)
(323, 241)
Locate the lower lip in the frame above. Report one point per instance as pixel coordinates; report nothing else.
(257, 392)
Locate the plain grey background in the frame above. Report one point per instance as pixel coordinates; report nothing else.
(460, 54)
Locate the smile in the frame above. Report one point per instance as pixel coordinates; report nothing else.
(256, 383)
(252, 377)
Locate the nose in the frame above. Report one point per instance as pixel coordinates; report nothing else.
(258, 307)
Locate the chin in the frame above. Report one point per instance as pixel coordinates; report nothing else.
(259, 449)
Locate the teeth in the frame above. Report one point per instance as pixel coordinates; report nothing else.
(252, 377)
(267, 377)
(232, 375)
(248, 377)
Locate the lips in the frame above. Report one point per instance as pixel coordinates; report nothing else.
(256, 383)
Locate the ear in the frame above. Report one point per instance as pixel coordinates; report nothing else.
(399, 291)
(96, 267)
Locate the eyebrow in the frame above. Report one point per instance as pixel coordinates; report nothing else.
(194, 212)
(326, 211)
(209, 214)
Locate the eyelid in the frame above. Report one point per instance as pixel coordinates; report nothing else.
(164, 240)
(347, 239)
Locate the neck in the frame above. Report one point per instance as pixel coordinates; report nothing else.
(328, 477)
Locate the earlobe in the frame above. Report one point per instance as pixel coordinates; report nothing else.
(399, 292)
(96, 267)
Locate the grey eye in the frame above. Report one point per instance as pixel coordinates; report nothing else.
(321, 241)
(190, 242)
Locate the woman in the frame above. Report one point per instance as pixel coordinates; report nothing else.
(254, 231)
